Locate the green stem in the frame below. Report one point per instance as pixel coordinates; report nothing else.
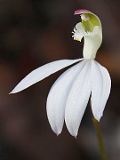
(100, 140)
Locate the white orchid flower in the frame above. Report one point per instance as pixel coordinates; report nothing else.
(69, 95)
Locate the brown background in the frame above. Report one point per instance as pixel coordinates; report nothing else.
(32, 33)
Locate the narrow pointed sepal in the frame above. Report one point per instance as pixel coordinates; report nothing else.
(101, 86)
(57, 97)
(78, 99)
(41, 73)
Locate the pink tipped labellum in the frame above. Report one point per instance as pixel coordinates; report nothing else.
(81, 11)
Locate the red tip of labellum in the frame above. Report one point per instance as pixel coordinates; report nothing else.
(81, 11)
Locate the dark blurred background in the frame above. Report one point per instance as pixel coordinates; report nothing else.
(32, 33)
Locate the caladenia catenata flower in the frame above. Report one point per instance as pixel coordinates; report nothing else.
(69, 95)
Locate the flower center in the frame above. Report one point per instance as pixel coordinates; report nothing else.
(89, 28)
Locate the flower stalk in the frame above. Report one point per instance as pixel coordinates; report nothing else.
(100, 139)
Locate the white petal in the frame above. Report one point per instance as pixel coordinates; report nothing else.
(42, 72)
(78, 99)
(101, 85)
(56, 100)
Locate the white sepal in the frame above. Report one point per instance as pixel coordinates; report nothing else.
(101, 86)
(78, 99)
(42, 72)
(57, 97)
